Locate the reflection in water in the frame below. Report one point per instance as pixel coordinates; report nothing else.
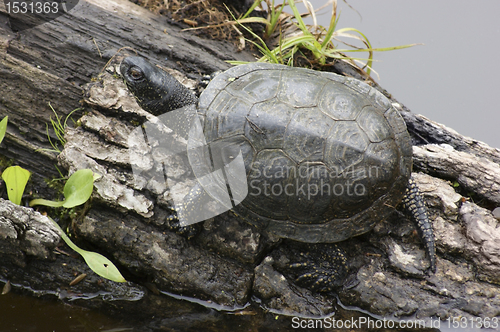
(181, 315)
(26, 313)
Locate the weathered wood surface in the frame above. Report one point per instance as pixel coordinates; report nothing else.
(50, 63)
(128, 222)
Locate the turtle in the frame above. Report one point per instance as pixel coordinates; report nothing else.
(326, 157)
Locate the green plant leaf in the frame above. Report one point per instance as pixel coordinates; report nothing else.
(46, 202)
(78, 188)
(331, 29)
(298, 17)
(262, 47)
(250, 10)
(96, 262)
(274, 19)
(15, 178)
(3, 127)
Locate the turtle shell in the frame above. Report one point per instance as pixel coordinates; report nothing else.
(326, 157)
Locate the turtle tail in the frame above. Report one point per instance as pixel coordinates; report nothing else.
(414, 207)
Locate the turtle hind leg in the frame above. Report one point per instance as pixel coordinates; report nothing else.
(319, 267)
(414, 207)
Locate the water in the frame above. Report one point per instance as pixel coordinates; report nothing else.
(180, 315)
(453, 77)
(26, 313)
(50, 316)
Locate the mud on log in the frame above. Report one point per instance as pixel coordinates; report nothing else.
(231, 261)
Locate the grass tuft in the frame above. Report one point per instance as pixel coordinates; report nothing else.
(298, 38)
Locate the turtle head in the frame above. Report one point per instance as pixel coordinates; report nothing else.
(155, 90)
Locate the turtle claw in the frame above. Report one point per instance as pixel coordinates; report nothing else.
(322, 268)
(188, 231)
(317, 282)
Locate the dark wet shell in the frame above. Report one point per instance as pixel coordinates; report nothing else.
(326, 156)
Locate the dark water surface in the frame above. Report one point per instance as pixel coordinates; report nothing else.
(28, 314)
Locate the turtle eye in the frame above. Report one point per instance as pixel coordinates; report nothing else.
(135, 73)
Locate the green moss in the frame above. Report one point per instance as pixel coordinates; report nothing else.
(5, 162)
(55, 184)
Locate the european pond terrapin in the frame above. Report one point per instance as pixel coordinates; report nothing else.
(326, 157)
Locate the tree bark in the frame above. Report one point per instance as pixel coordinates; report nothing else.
(47, 66)
(49, 63)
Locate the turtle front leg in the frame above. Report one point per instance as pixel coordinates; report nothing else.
(414, 207)
(188, 211)
(188, 231)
